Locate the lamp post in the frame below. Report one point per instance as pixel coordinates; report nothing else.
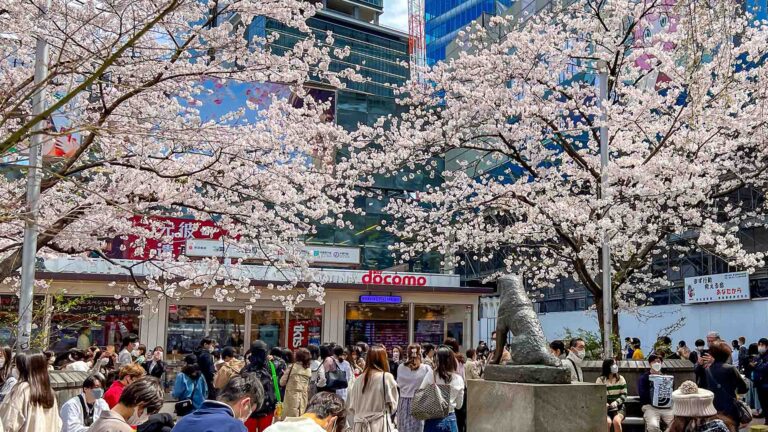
(29, 249)
(606, 249)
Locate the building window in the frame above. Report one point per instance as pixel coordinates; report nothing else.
(186, 328)
(227, 328)
(109, 320)
(435, 323)
(377, 324)
(269, 327)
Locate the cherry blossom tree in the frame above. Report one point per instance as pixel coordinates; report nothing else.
(685, 111)
(137, 130)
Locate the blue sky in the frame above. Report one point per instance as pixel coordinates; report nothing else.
(395, 14)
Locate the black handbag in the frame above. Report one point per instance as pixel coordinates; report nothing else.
(742, 409)
(184, 407)
(335, 379)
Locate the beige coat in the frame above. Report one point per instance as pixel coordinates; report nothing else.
(296, 382)
(110, 421)
(17, 414)
(226, 372)
(370, 411)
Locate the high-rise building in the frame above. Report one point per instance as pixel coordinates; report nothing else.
(443, 19)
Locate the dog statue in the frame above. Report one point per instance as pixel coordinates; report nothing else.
(516, 315)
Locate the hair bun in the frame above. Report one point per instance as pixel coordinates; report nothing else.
(689, 387)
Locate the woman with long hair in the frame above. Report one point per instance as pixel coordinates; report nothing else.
(6, 364)
(461, 412)
(694, 411)
(190, 383)
(410, 375)
(374, 396)
(616, 388)
(445, 373)
(31, 404)
(296, 383)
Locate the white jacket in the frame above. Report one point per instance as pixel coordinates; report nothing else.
(72, 414)
(19, 415)
(295, 424)
(574, 365)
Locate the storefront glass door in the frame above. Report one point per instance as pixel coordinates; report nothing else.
(435, 323)
(227, 327)
(377, 324)
(269, 326)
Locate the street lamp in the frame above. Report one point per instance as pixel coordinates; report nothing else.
(606, 249)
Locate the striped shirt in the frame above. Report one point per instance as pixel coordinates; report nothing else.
(617, 389)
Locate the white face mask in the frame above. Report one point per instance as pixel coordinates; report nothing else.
(137, 419)
(580, 354)
(656, 367)
(762, 349)
(615, 368)
(396, 356)
(211, 349)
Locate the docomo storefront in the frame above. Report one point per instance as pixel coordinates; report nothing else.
(359, 305)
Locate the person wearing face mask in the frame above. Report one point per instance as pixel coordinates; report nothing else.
(760, 374)
(155, 366)
(206, 363)
(140, 399)
(653, 415)
(616, 387)
(576, 354)
(79, 413)
(395, 360)
(242, 395)
(325, 413)
(127, 375)
(124, 357)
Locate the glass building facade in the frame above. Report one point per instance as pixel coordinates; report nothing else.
(380, 55)
(444, 18)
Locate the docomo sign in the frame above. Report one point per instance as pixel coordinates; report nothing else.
(378, 278)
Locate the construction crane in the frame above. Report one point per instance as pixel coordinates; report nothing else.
(416, 43)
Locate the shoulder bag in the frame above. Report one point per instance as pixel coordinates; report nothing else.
(432, 401)
(184, 407)
(279, 406)
(742, 409)
(335, 379)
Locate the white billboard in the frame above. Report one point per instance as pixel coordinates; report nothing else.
(717, 288)
(314, 254)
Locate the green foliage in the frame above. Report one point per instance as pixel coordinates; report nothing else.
(592, 341)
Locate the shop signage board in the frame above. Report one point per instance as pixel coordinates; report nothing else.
(717, 288)
(313, 254)
(261, 273)
(381, 299)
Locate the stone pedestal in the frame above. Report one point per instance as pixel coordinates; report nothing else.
(531, 374)
(494, 406)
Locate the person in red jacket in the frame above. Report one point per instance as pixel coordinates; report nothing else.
(128, 374)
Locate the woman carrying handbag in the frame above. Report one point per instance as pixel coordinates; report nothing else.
(374, 397)
(445, 375)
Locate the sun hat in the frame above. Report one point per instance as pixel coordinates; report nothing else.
(691, 401)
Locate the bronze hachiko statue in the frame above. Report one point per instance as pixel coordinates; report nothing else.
(516, 315)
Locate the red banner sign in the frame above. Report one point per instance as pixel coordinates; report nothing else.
(169, 235)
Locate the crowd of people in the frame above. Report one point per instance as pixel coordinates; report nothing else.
(358, 388)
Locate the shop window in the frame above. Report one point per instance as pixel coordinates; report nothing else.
(268, 326)
(186, 328)
(304, 327)
(109, 319)
(227, 327)
(377, 324)
(435, 323)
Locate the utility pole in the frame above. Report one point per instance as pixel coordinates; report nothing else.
(34, 176)
(606, 249)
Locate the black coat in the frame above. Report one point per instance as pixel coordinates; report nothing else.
(157, 371)
(264, 373)
(725, 382)
(205, 361)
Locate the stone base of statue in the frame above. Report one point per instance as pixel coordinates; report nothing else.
(494, 406)
(528, 374)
